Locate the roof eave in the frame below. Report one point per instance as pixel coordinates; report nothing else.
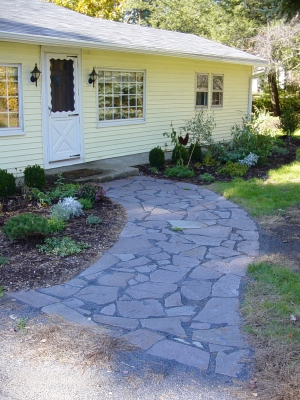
(45, 40)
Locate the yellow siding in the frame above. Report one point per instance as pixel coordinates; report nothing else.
(170, 96)
(16, 152)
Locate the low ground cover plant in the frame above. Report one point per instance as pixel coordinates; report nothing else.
(180, 171)
(62, 247)
(93, 220)
(206, 177)
(233, 169)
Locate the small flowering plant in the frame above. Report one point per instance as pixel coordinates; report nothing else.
(92, 191)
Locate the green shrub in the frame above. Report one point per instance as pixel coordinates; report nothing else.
(298, 154)
(93, 220)
(87, 204)
(209, 159)
(34, 176)
(7, 184)
(206, 177)
(180, 155)
(195, 152)
(233, 169)
(92, 191)
(63, 247)
(180, 171)
(157, 157)
(56, 225)
(289, 121)
(24, 225)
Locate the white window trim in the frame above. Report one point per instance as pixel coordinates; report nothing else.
(217, 91)
(208, 91)
(20, 129)
(131, 121)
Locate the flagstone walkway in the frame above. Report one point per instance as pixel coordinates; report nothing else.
(171, 283)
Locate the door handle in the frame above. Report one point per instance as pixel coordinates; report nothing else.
(73, 115)
(50, 109)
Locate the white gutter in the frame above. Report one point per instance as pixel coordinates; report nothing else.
(39, 39)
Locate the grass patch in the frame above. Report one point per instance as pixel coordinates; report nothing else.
(1, 291)
(278, 192)
(271, 312)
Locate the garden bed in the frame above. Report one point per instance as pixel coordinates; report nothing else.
(258, 171)
(27, 268)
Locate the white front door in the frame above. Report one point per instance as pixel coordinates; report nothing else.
(63, 108)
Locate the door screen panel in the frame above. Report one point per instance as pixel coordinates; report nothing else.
(62, 85)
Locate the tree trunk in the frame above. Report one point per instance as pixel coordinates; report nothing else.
(274, 93)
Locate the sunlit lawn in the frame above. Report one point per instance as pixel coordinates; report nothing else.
(278, 192)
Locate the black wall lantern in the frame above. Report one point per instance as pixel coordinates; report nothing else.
(93, 77)
(35, 74)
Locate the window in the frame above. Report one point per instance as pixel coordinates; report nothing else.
(202, 90)
(120, 95)
(10, 120)
(217, 90)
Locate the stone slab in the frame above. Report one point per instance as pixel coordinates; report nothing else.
(166, 276)
(148, 290)
(61, 291)
(177, 311)
(170, 325)
(181, 353)
(174, 300)
(33, 298)
(231, 364)
(196, 290)
(227, 286)
(109, 310)
(126, 323)
(224, 336)
(186, 224)
(143, 338)
(140, 309)
(98, 294)
(114, 279)
(202, 273)
(220, 311)
(67, 313)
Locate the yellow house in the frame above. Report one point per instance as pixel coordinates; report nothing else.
(106, 89)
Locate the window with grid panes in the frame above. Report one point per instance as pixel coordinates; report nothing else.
(120, 95)
(9, 98)
(217, 90)
(202, 90)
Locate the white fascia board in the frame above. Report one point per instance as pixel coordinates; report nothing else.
(38, 40)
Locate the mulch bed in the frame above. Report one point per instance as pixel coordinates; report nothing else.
(27, 268)
(274, 162)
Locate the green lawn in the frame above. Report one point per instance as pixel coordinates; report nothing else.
(274, 195)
